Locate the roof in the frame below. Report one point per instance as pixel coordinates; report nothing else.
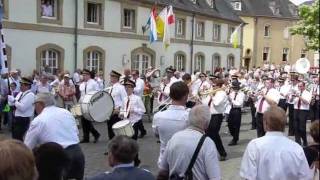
(221, 10)
(262, 8)
(307, 3)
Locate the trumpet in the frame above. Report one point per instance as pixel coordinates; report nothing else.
(212, 91)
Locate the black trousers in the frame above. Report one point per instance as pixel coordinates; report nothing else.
(87, 128)
(113, 119)
(282, 103)
(291, 119)
(75, 168)
(20, 126)
(260, 128)
(234, 123)
(300, 124)
(253, 113)
(213, 132)
(315, 111)
(138, 126)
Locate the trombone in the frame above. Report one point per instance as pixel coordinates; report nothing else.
(165, 104)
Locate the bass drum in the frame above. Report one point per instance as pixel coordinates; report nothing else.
(97, 106)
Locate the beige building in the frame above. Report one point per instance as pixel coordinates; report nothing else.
(266, 36)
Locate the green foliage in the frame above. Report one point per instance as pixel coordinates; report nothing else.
(308, 25)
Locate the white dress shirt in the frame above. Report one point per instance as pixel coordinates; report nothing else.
(179, 152)
(53, 124)
(168, 122)
(134, 107)
(219, 102)
(89, 86)
(43, 88)
(165, 91)
(306, 95)
(284, 90)
(17, 81)
(292, 90)
(100, 83)
(272, 94)
(24, 104)
(237, 99)
(76, 78)
(315, 90)
(138, 90)
(274, 157)
(118, 94)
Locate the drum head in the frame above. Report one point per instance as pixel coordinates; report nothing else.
(122, 123)
(99, 108)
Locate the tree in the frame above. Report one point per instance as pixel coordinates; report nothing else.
(308, 25)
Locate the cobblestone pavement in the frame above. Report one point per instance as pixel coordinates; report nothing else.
(96, 161)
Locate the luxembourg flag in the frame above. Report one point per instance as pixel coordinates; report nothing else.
(152, 25)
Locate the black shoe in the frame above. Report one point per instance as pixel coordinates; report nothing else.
(84, 141)
(142, 134)
(223, 158)
(232, 143)
(290, 134)
(96, 138)
(253, 128)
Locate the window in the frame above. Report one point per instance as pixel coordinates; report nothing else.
(230, 62)
(286, 33)
(49, 11)
(200, 30)
(180, 62)
(216, 32)
(266, 54)
(5, 6)
(216, 61)
(267, 31)
(210, 3)
(94, 62)
(199, 62)
(274, 8)
(49, 61)
(236, 5)
(303, 53)
(142, 58)
(180, 27)
(128, 19)
(230, 31)
(293, 9)
(94, 12)
(285, 54)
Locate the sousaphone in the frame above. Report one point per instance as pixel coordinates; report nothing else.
(302, 65)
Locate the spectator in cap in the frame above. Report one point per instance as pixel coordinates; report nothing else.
(67, 92)
(54, 124)
(24, 109)
(14, 77)
(43, 86)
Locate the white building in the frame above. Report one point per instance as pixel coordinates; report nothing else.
(107, 34)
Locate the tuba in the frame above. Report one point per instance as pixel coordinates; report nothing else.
(302, 65)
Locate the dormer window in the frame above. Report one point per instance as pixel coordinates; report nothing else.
(236, 5)
(210, 3)
(274, 8)
(293, 9)
(194, 1)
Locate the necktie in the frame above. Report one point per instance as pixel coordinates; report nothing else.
(235, 96)
(299, 102)
(210, 101)
(85, 89)
(127, 106)
(261, 102)
(111, 90)
(161, 94)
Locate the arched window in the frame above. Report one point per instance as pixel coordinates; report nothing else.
(199, 62)
(50, 58)
(94, 58)
(216, 61)
(180, 61)
(142, 58)
(230, 61)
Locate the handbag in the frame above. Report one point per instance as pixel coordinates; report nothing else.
(188, 175)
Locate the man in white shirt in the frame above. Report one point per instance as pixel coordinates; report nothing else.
(174, 119)
(274, 156)
(236, 98)
(139, 83)
(133, 109)
(293, 87)
(24, 109)
(14, 77)
(118, 93)
(182, 145)
(88, 85)
(315, 90)
(284, 90)
(43, 86)
(217, 105)
(302, 101)
(268, 96)
(54, 124)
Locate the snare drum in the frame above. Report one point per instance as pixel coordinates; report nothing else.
(76, 110)
(97, 106)
(123, 127)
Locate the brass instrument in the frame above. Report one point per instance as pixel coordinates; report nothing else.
(212, 91)
(155, 73)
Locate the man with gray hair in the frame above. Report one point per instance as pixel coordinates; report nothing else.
(54, 124)
(181, 148)
(122, 152)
